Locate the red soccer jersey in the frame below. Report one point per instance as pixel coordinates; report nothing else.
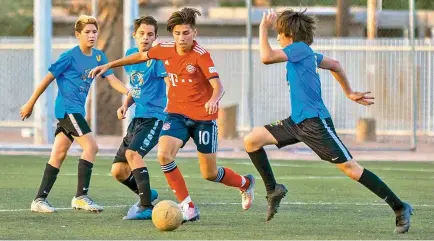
(189, 75)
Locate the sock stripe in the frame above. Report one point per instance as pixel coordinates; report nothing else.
(220, 174)
(169, 167)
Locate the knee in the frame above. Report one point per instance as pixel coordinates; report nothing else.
(353, 171)
(210, 175)
(91, 148)
(119, 173)
(164, 157)
(251, 142)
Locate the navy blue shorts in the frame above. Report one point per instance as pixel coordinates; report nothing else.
(142, 135)
(204, 133)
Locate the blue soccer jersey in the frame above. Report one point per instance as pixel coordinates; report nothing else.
(148, 87)
(71, 72)
(303, 78)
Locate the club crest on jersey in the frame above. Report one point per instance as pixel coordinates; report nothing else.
(166, 126)
(190, 68)
(136, 78)
(98, 58)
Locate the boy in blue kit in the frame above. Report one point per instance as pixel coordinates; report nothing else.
(310, 121)
(71, 74)
(149, 94)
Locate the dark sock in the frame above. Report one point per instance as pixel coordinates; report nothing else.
(377, 186)
(130, 182)
(142, 178)
(50, 176)
(84, 174)
(260, 160)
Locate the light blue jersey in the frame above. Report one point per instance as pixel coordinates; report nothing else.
(148, 87)
(71, 72)
(303, 78)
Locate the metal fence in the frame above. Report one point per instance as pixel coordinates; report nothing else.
(383, 66)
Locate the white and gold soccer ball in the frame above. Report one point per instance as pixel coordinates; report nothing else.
(167, 215)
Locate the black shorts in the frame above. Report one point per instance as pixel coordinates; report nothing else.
(319, 134)
(142, 135)
(73, 125)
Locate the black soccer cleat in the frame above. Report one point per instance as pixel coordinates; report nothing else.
(403, 218)
(274, 199)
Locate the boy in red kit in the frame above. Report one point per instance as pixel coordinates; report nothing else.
(194, 92)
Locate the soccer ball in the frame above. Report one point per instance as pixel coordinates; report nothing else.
(167, 215)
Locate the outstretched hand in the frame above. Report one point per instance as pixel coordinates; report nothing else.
(362, 98)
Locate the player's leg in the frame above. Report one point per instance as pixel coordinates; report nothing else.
(322, 138)
(279, 133)
(145, 137)
(174, 135)
(80, 130)
(61, 145)
(204, 134)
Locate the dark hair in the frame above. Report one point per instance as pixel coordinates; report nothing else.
(184, 16)
(84, 20)
(297, 25)
(148, 20)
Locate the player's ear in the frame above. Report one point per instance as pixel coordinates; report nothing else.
(156, 36)
(194, 32)
(77, 34)
(134, 34)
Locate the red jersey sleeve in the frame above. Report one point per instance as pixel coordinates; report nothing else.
(207, 67)
(160, 52)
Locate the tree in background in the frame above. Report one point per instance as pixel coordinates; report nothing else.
(16, 18)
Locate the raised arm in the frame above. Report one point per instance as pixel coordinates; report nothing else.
(339, 74)
(27, 109)
(269, 55)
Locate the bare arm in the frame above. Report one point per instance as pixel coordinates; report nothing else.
(269, 55)
(117, 84)
(130, 59)
(129, 101)
(27, 109)
(339, 74)
(41, 88)
(218, 91)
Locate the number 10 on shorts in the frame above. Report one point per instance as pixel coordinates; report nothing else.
(204, 137)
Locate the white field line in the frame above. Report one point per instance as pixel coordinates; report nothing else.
(235, 203)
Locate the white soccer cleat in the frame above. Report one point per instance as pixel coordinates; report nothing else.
(248, 195)
(189, 214)
(85, 203)
(41, 205)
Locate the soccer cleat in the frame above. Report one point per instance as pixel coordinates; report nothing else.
(85, 203)
(190, 214)
(135, 207)
(403, 218)
(274, 200)
(141, 214)
(248, 195)
(41, 205)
